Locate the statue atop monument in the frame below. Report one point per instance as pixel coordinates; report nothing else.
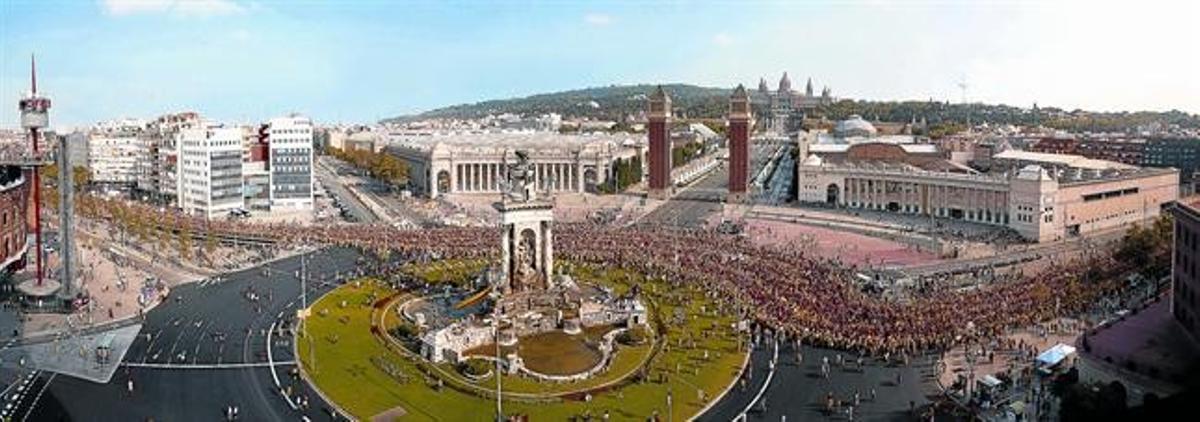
(521, 182)
(520, 185)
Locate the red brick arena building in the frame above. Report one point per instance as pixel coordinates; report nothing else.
(14, 194)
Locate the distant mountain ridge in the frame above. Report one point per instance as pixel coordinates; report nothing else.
(616, 102)
(604, 103)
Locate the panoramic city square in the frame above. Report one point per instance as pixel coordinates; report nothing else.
(468, 211)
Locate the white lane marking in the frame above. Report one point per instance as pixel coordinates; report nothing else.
(763, 390)
(271, 364)
(207, 365)
(150, 345)
(196, 353)
(10, 386)
(39, 396)
(171, 353)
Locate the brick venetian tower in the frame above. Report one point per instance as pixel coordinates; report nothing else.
(739, 145)
(659, 129)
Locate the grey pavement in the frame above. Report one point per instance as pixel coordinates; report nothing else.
(74, 355)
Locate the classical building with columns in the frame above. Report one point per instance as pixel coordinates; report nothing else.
(470, 163)
(1043, 197)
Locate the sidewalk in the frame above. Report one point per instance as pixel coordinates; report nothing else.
(1010, 359)
(116, 292)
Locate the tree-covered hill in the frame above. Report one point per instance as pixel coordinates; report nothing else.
(938, 112)
(601, 103)
(616, 102)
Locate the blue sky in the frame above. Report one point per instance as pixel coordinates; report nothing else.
(359, 60)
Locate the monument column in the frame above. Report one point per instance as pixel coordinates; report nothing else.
(578, 176)
(547, 252)
(506, 253)
(466, 177)
(433, 182)
(456, 177)
(739, 146)
(659, 131)
(521, 209)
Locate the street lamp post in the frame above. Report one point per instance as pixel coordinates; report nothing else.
(670, 416)
(496, 322)
(304, 308)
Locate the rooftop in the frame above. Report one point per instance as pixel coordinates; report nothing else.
(1148, 342)
(1068, 160)
(841, 148)
(516, 140)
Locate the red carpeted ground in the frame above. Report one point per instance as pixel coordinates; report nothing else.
(850, 248)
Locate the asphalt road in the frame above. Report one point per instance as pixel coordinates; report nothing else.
(692, 205)
(206, 349)
(332, 183)
(797, 391)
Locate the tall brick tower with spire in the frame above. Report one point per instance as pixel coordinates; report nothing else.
(659, 130)
(739, 145)
(35, 116)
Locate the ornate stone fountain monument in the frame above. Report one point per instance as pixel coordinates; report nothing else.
(527, 243)
(528, 297)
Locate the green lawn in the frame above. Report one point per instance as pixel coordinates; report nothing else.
(455, 272)
(350, 365)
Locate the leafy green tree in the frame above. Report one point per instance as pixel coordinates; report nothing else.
(210, 243)
(185, 243)
(1148, 248)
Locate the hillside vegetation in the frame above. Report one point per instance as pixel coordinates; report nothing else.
(618, 102)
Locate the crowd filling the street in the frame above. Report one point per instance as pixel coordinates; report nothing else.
(788, 289)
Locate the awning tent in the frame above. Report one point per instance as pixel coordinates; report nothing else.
(990, 381)
(1055, 355)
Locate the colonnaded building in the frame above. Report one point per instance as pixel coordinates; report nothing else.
(1043, 197)
(442, 163)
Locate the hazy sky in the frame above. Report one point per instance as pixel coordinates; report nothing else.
(359, 60)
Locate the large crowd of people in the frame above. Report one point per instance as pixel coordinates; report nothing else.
(786, 288)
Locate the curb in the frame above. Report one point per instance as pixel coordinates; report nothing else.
(307, 380)
(48, 335)
(728, 388)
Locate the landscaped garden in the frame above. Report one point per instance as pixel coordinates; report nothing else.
(350, 351)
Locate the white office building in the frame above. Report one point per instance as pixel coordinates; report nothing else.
(160, 178)
(116, 152)
(290, 159)
(210, 170)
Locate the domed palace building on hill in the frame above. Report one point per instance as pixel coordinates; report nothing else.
(785, 102)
